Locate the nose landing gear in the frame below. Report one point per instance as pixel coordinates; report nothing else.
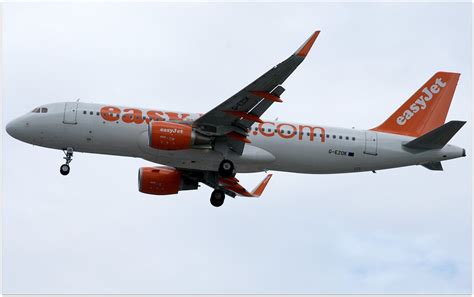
(64, 169)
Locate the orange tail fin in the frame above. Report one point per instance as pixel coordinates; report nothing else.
(426, 109)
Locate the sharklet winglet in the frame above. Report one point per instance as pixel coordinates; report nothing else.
(306, 47)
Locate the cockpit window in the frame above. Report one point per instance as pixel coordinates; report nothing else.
(40, 110)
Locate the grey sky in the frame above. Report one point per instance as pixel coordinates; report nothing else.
(405, 230)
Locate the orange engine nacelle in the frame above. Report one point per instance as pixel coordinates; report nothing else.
(163, 181)
(174, 136)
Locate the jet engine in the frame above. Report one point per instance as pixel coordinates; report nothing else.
(163, 181)
(174, 136)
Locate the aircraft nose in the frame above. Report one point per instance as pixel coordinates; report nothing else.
(13, 128)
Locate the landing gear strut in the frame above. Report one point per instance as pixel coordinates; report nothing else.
(64, 169)
(226, 168)
(217, 198)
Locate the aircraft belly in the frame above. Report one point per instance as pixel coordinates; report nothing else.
(253, 159)
(305, 156)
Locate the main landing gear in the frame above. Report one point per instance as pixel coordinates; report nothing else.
(64, 169)
(226, 168)
(217, 198)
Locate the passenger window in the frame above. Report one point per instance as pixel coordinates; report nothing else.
(44, 110)
(334, 136)
(91, 113)
(84, 112)
(353, 138)
(327, 136)
(98, 113)
(340, 137)
(347, 137)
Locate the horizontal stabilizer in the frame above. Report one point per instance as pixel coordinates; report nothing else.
(433, 166)
(436, 138)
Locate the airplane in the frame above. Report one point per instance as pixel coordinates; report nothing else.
(211, 148)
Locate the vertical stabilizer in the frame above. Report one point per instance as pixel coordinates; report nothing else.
(426, 109)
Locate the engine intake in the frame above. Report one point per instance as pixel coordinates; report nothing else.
(163, 181)
(174, 136)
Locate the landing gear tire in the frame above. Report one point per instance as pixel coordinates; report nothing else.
(226, 168)
(64, 169)
(217, 198)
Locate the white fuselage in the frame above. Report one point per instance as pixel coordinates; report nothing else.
(278, 146)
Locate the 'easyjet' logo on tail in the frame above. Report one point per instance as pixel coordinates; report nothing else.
(421, 103)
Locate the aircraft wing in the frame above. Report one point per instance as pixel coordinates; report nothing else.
(231, 120)
(232, 184)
